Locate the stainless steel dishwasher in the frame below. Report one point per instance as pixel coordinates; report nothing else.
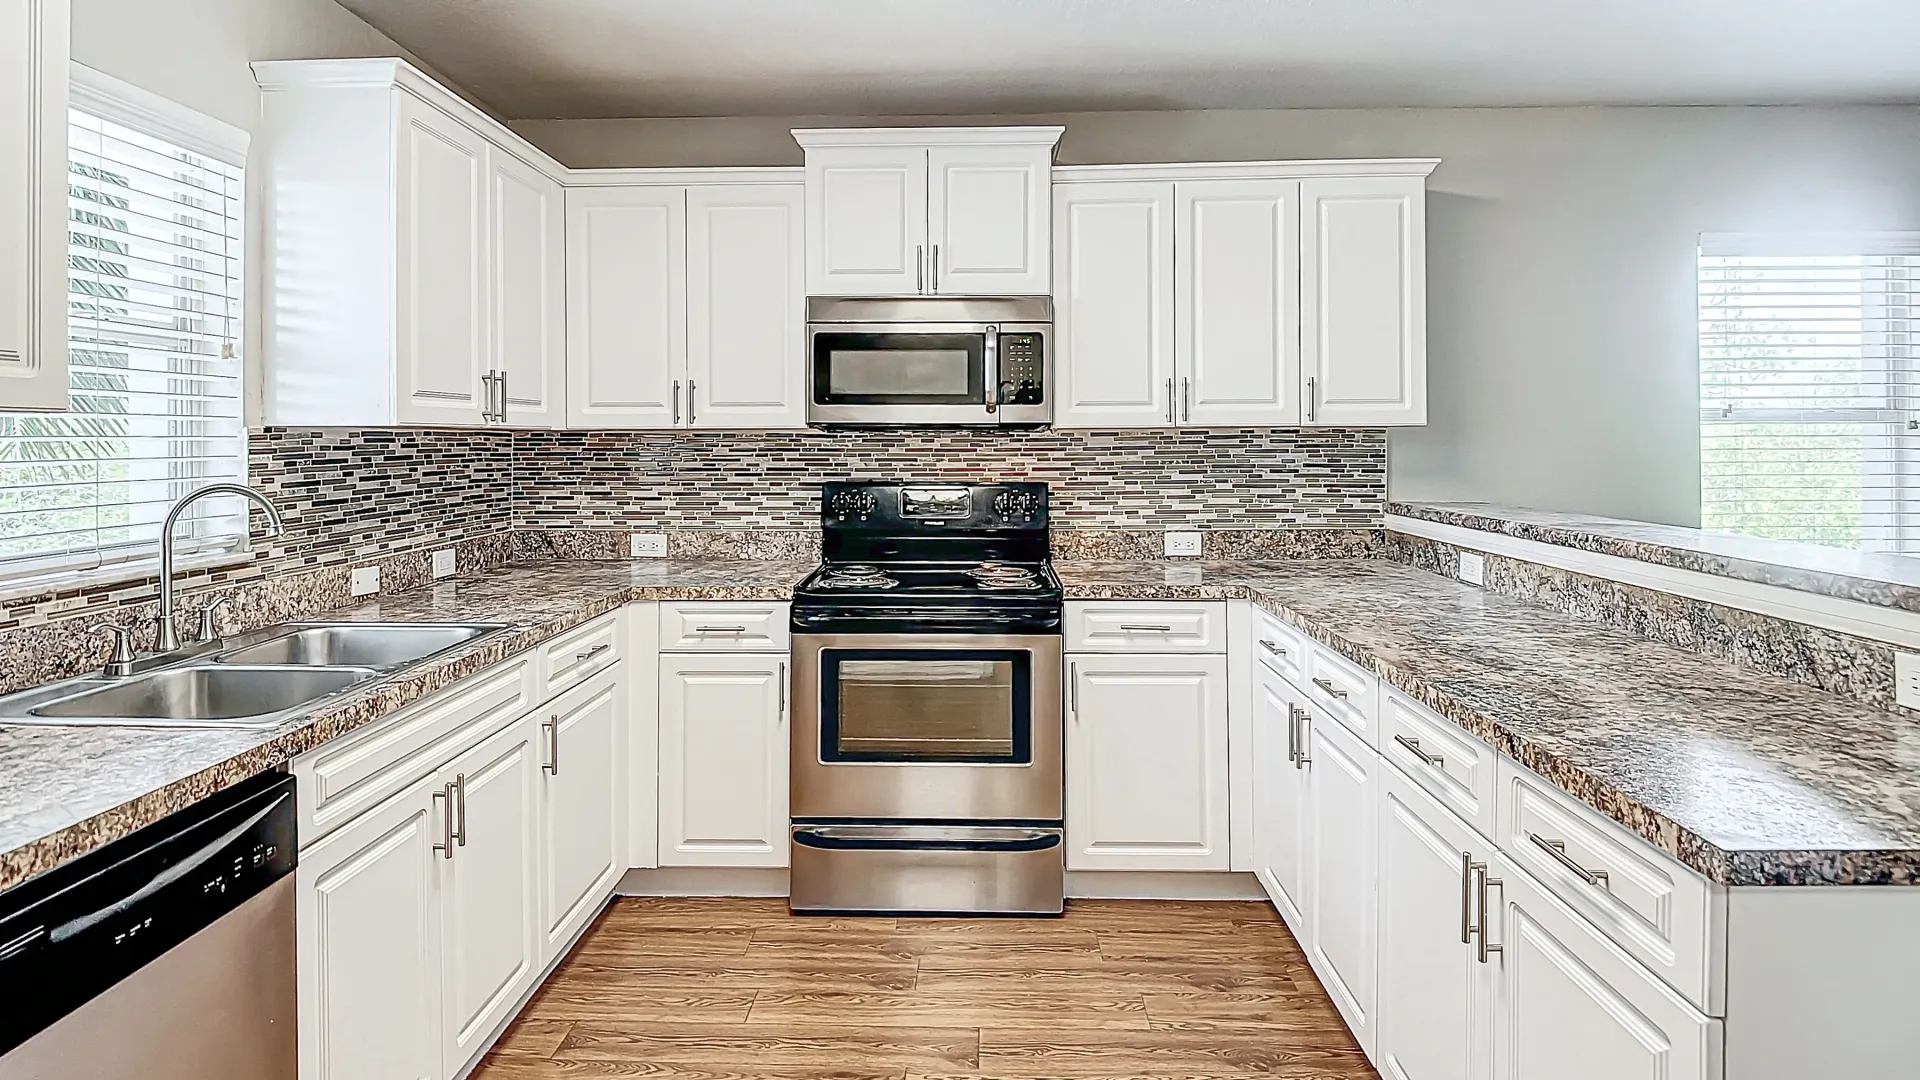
(166, 955)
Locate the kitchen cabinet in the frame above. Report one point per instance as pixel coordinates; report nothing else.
(1147, 771)
(723, 759)
(1343, 780)
(428, 232)
(1260, 294)
(581, 803)
(1280, 797)
(946, 211)
(686, 305)
(33, 204)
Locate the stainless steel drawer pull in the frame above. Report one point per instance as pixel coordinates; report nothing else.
(460, 815)
(1272, 647)
(1413, 747)
(1466, 898)
(1146, 629)
(1484, 882)
(719, 629)
(1300, 758)
(1293, 734)
(1073, 691)
(581, 658)
(782, 680)
(552, 730)
(444, 798)
(1557, 849)
(1327, 685)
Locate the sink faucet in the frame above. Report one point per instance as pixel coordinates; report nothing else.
(164, 638)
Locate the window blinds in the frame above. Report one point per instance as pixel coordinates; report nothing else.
(154, 323)
(1807, 388)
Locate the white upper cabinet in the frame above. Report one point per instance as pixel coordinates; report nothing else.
(529, 298)
(686, 303)
(1364, 300)
(414, 262)
(1113, 304)
(1219, 266)
(33, 199)
(914, 211)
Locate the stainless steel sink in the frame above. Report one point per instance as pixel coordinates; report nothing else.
(371, 645)
(204, 695)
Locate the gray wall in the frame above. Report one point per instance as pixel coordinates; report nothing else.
(1560, 262)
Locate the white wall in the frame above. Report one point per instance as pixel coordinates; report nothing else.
(197, 52)
(1560, 265)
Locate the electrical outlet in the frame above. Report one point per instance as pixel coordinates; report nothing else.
(1183, 545)
(1906, 679)
(647, 545)
(366, 580)
(1473, 568)
(443, 564)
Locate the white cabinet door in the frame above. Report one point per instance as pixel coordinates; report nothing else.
(488, 888)
(626, 306)
(1569, 1005)
(1435, 996)
(1113, 318)
(990, 220)
(866, 221)
(1279, 792)
(1147, 762)
(746, 306)
(33, 204)
(368, 926)
(444, 276)
(1343, 798)
(529, 298)
(723, 760)
(1237, 299)
(583, 760)
(1364, 309)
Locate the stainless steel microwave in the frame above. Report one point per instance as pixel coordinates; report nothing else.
(929, 361)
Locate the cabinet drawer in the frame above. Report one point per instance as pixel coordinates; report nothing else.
(349, 776)
(1450, 764)
(576, 655)
(1662, 913)
(720, 626)
(1345, 691)
(1280, 646)
(1147, 626)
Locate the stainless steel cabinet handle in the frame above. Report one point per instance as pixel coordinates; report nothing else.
(444, 798)
(1293, 734)
(919, 268)
(460, 815)
(486, 396)
(551, 729)
(783, 691)
(690, 400)
(1302, 760)
(676, 402)
(1073, 691)
(719, 629)
(500, 380)
(1186, 399)
(1272, 647)
(1312, 405)
(581, 658)
(1146, 629)
(936, 268)
(1466, 898)
(1327, 685)
(1413, 747)
(1484, 882)
(1170, 416)
(1557, 849)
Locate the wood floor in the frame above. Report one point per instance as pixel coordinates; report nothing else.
(713, 989)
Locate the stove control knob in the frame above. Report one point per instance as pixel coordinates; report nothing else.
(1017, 505)
(848, 504)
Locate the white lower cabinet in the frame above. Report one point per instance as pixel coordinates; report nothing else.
(1280, 796)
(581, 754)
(1435, 994)
(1342, 943)
(1147, 775)
(723, 759)
(1570, 1005)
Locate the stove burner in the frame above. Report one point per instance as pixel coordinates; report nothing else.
(857, 576)
(1000, 577)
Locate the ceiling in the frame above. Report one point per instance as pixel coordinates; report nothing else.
(611, 58)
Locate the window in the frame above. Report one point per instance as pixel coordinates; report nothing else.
(1808, 428)
(154, 326)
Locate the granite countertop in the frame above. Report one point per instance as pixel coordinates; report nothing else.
(1749, 779)
(1867, 577)
(70, 790)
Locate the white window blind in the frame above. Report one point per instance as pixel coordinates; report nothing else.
(154, 327)
(1807, 388)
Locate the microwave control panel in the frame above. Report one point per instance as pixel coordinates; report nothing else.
(1022, 369)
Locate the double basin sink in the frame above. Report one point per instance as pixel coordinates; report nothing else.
(256, 680)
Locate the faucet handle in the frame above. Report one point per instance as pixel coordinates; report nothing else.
(120, 660)
(209, 619)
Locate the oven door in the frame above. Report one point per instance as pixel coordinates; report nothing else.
(912, 373)
(950, 728)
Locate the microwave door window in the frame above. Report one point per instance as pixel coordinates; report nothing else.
(899, 369)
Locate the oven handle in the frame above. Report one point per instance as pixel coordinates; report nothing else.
(1027, 840)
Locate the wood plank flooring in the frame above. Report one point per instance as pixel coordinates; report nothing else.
(726, 989)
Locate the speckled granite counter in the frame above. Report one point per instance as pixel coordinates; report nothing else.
(65, 791)
(1749, 779)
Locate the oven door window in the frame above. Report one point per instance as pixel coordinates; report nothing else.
(904, 706)
(899, 369)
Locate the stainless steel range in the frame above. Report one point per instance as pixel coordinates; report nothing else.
(927, 758)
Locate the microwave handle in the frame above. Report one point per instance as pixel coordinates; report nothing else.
(992, 368)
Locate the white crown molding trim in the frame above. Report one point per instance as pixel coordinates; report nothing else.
(809, 138)
(1889, 625)
(1244, 170)
(750, 174)
(108, 98)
